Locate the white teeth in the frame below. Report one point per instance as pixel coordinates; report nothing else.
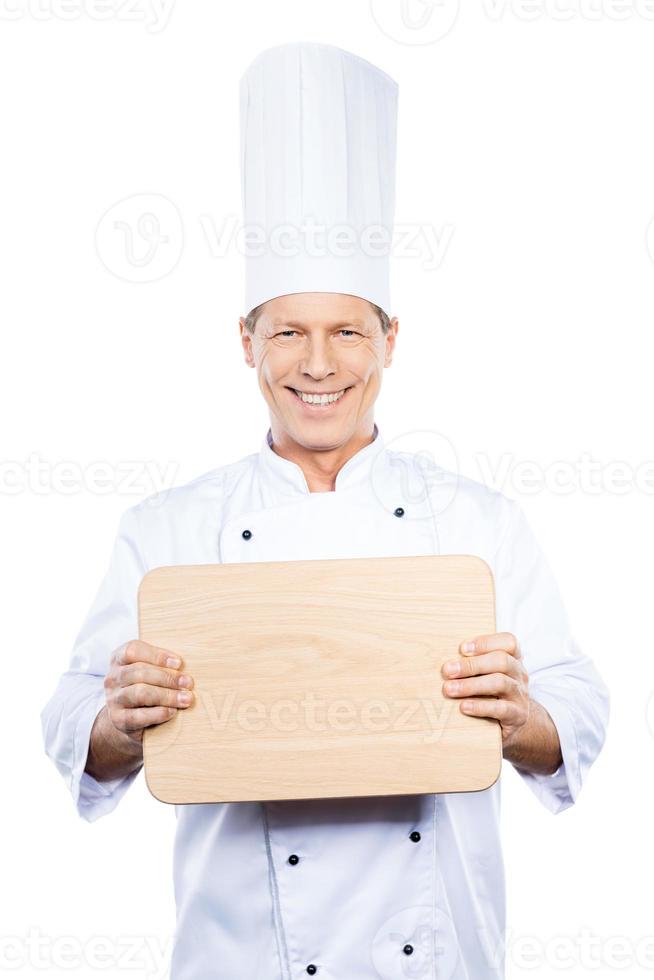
(320, 399)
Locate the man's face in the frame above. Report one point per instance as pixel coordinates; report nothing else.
(319, 344)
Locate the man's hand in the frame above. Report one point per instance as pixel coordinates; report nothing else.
(492, 671)
(144, 686)
(493, 674)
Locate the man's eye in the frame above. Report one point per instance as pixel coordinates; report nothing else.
(343, 330)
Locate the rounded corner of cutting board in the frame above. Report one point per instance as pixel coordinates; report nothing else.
(497, 775)
(151, 781)
(154, 774)
(484, 566)
(150, 576)
(497, 772)
(485, 571)
(152, 788)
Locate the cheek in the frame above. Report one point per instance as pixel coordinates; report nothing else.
(370, 368)
(265, 363)
(275, 367)
(364, 362)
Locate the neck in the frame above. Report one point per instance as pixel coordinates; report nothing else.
(320, 465)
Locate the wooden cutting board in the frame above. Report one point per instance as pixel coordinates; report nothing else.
(318, 678)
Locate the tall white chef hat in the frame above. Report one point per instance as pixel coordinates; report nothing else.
(318, 143)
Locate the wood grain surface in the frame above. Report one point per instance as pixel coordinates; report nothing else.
(318, 679)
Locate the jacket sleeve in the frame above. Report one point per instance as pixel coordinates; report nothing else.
(561, 678)
(67, 718)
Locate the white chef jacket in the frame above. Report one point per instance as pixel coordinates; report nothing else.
(388, 886)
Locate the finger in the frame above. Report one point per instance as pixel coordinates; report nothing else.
(138, 650)
(488, 642)
(489, 708)
(149, 695)
(482, 663)
(142, 673)
(135, 719)
(485, 684)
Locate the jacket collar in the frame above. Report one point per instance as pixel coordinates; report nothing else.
(287, 478)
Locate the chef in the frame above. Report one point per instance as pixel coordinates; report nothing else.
(341, 889)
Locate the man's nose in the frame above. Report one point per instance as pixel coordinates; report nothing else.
(318, 360)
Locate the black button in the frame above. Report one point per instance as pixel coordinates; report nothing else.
(293, 859)
(415, 836)
(246, 535)
(408, 949)
(312, 969)
(399, 511)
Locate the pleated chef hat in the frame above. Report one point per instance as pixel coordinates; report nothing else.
(318, 143)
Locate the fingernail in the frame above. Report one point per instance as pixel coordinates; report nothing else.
(453, 668)
(184, 681)
(469, 646)
(452, 687)
(184, 697)
(173, 662)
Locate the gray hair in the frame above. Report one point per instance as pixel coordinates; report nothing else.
(253, 315)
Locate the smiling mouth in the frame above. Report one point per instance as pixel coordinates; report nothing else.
(319, 401)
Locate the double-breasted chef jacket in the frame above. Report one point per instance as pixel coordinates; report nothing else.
(341, 889)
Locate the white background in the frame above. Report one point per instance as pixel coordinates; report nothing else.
(526, 143)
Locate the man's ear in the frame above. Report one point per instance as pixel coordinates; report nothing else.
(246, 341)
(390, 341)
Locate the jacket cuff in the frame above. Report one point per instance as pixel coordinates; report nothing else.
(560, 789)
(93, 799)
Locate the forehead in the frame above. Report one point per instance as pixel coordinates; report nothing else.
(317, 309)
